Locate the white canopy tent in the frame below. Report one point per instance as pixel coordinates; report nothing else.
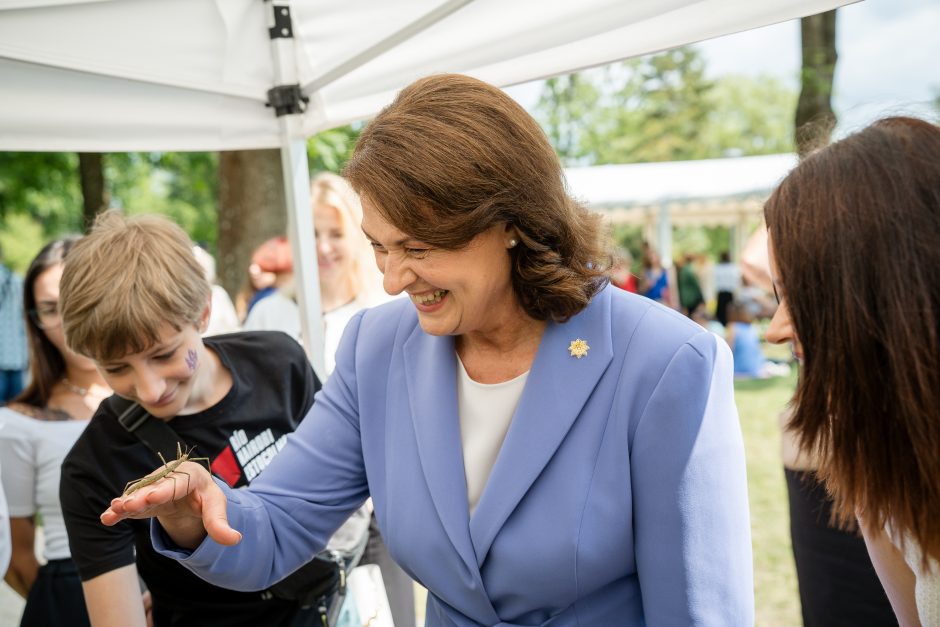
(708, 192)
(131, 75)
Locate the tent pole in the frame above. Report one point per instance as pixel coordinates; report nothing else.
(664, 226)
(288, 103)
(300, 231)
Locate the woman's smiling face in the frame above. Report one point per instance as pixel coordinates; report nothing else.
(454, 291)
(334, 246)
(46, 295)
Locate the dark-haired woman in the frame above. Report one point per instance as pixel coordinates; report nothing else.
(855, 247)
(37, 429)
(541, 448)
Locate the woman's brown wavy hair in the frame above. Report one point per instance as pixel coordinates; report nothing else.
(856, 236)
(453, 156)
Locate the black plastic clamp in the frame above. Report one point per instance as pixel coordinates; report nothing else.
(283, 26)
(287, 99)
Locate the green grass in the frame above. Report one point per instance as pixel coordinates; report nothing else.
(775, 590)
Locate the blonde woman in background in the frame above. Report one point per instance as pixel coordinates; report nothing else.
(349, 279)
(349, 282)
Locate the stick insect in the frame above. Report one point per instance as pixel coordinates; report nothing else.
(169, 468)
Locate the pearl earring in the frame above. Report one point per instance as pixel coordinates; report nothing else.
(513, 242)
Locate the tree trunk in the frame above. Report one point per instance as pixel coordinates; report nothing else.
(815, 118)
(94, 195)
(252, 208)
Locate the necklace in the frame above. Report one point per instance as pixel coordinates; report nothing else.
(74, 388)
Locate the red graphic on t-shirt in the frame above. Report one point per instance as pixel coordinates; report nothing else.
(226, 466)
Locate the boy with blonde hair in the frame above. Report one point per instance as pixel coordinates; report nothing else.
(134, 299)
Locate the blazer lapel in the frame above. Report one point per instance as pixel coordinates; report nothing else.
(558, 386)
(431, 373)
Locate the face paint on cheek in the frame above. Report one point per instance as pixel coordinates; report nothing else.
(191, 360)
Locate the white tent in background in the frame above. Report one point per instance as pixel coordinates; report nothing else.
(123, 75)
(658, 196)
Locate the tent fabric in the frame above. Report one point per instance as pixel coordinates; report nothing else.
(626, 185)
(127, 75)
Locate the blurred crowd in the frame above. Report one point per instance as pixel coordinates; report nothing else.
(714, 292)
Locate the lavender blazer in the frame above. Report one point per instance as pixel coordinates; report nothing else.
(618, 496)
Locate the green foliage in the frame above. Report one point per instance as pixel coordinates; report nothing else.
(21, 237)
(41, 196)
(661, 107)
(759, 402)
(180, 185)
(42, 185)
(698, 240)
(748, 116)
(329, 150)
(629, 237)
(565, 102)
(685, 240)
(45, 188)
(649, 115)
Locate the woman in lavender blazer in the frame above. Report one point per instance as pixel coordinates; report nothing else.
(541, 449)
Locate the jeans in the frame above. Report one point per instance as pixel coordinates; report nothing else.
(11, 384)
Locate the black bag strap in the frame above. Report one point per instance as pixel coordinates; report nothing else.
(321, 582)
(156, 434)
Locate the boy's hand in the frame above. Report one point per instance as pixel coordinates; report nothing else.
(187, 503)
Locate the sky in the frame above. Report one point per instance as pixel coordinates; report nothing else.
(889, 60)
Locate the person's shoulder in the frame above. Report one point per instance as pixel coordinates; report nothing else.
(252, 341)
(16, 412)
(246, 352)
(395, 318)
(373, 335)
(650, 312)
(637, 321)
(274, 303)
(16, 423)
(275, 312)
(19, 421)
(390, 313)
(103, 437)
(221, 292)
(32, 416)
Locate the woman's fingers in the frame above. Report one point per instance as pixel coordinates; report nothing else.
(164, 495)
(112, 515)
(215, 520)
(187, 502)
(145, 504)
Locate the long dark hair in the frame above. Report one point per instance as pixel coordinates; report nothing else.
(855, 230)
(46, 364)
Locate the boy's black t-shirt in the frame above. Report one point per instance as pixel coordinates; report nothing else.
(272, 389)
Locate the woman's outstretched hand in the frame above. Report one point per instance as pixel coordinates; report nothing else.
(187, 502)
